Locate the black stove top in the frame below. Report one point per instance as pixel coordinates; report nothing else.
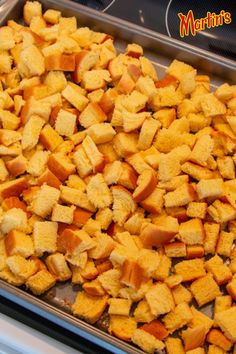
(214, 34)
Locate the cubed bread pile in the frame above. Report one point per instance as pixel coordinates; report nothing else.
(120, 181)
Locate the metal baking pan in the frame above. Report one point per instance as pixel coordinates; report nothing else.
(161, 50)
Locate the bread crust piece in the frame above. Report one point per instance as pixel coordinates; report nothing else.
(132, 274)
(122, 327)
(13, 188)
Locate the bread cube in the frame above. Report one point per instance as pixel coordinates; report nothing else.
(18, 243)
(174, 346)
(45, 237)
(205, 289)
(190, 269)
(60, 165)
(44, 200)
(210, 188)
(146, 341)
(14, 219)
(50, 138)
(76, 197)
(225, 320)
(63, 213)
(221, 273)
(160, 299)
(58, 267)
(40, 282)
(122, 327)
(98, 192)
(181, 196)
(181, 294)
(225, 243)
(178, 317)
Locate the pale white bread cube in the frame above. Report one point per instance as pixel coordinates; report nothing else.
(44, 200)
(33, 60)
(202, 150)
(6, 38)
(65, 123)
(210, 188)
(31, 132)
(95, 156)
(45, 237)
(76, 197)
(63, 213)
(147, 133)
(16, 219)
(123, 204)
(212, 106)
(98, 192)
(160, 299)
(31, 9)
(77, 99)
(82, 162)
(38, 163)
(101, 133)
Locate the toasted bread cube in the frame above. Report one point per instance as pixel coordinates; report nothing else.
(160, 299)
(224, 244)
(123, 204)
(174, 346)
(125, 144)
(119, 306)
(175, 249)
(50, 138)
(210, 188)
(226, 167)
(6, 38)
(146, 183)
(93, 288)
(233, 261)
(221, 273)
(194, 338)
(104, 217)
(181, 196)
(61, 166)
(37, 163)
(95, 79)
(205, 289)
(75, 242)
(17, 166)
(13, 188)
(101, 133)
(58, 267)
(31, 132)
(155, 328)
(190, 269)
(148, 261)
(196, 209)
(8, 137)
(50, 179)
(110, 281)
(89, 308)
(231, 288)
(216, 337)
(18, 243)
(103, 248)
(211, 106)
(63, 213)
(178, 69)
(211, 236)
(225, 320)
(44, 200)
(92, 226)
(192, 232)
(45, 236)
(95, 156)
(160, 233)
(65, 123)
(122, 327)
(40, 282)
(31, 9)
(181, 294)
(146, 341)
(197, 172)
(222, 303)
(76, 197)
(202, 150)
(14, 218)
(98, 192)
(11, 278)
(178, 317)
(33, 60)
(200, 319)
(195, 251)
(21, 267)
(143, 313)
(9, 120)
(81, 217)
(52, 16)
(221, 212)
(92, 114)
(77, 100)
(85, 59)
(132, 274)
(82, 162)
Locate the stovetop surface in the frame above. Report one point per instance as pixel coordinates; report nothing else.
(162, 16)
